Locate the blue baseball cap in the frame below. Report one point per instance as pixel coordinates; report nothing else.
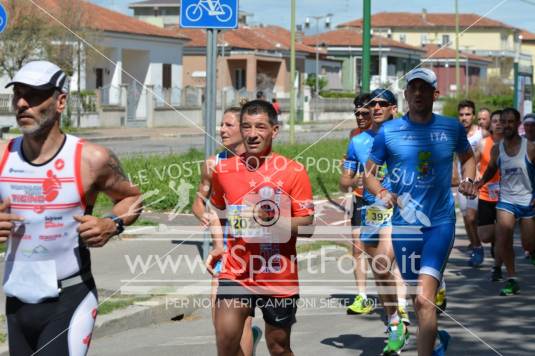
(427, 75)
(384, 94)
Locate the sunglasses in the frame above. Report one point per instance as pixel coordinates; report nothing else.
(361, 113)
(381, 103)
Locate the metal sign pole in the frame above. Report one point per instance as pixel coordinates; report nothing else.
(212, 16)
(210, 109)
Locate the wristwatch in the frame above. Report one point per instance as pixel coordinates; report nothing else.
(119, 223)
(467, 179)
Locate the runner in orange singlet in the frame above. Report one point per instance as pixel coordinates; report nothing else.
(266, 197)
(489, 193)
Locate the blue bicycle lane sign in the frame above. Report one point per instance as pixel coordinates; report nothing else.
(209, 14)
(3, 18)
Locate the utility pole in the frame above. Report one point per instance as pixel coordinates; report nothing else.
(366, 47)
(292, 73)
(516, 73)
(327, 25)
(457, 62)
(78, 83)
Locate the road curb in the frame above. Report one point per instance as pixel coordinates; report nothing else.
(143, 314)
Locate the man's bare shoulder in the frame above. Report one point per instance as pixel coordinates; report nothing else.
(96, 156)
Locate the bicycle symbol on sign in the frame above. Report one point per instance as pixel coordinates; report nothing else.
(222, 12)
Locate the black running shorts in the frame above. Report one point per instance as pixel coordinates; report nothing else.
(486, 212)
(279, 312)
(59, 326)
(356, 217)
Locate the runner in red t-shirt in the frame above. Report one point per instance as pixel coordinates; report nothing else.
(266, 197)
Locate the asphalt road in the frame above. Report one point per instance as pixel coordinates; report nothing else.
(479, 321)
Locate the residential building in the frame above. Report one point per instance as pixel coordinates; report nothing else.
(473, 68)
(126, 57)
(389, 59)
(250, 59)
(528, 43)
(480, 35)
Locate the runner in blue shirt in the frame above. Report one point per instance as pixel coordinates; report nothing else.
(418, 150)
(376, 227)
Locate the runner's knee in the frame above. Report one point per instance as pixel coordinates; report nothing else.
(277, 347)
(424, 304)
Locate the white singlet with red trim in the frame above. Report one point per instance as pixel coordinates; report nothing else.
(45, 247)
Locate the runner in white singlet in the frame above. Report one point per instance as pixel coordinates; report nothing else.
(49, 182)
(514, 156)
(474, 133)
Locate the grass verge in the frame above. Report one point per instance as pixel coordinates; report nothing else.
(160, 176)
(118, 303)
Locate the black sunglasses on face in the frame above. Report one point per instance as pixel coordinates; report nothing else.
(361, 113)
(381, 103)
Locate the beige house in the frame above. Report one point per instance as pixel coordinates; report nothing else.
(250, 59)
(528, 43)
(481, 36)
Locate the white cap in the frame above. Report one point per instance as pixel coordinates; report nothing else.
(41, 75)
(427, 75)
(529, 119)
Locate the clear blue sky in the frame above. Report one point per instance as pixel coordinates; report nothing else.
(277, 12)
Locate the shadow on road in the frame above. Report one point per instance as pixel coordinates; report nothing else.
(370, 346)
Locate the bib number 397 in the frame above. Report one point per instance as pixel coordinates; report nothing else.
(377, 216)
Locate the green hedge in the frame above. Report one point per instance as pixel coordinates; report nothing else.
(337, 94)
(492, 103)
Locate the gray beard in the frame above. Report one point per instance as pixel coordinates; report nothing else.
(44, 126)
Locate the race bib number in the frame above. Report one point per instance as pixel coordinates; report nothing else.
(238, 221)
(262, 217)
(376, 215)
(31, 281)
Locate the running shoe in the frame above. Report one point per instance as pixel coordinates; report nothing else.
(496, 274)
(510, 288)
(441, 300)
(398, 334)
(257, 335)
(444, 340)
(360, 306)
(404, 316)
(477, 257)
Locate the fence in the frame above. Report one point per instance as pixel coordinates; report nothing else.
(319, 104)
(87, 102)
(111, 95)
(5, 103)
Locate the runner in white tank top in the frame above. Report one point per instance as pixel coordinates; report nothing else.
(49, 182)
(515, 158)
(467, 115)
(47, 196)
(515, 185)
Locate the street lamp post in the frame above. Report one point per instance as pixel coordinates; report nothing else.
(327, 25)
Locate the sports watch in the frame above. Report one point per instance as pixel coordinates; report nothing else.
(119, 223)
